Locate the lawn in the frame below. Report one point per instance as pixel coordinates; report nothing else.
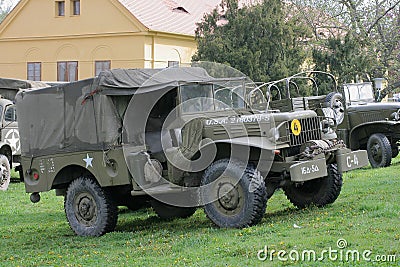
(365, 220)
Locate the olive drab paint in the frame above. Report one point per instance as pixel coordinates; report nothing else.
(177, 138)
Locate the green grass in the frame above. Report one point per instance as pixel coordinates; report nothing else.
(366, 215)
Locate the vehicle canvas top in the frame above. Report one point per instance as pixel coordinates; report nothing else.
(127, 81)
(82, 114)
(10, 87)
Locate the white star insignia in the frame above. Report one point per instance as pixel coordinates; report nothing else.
(12, 138)
(88, 161)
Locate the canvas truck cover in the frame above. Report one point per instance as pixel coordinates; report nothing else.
(85, 115)
(127, 81)
(10, 87)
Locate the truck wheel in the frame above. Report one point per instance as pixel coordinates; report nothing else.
(89, 209)
(334, 100)
(379, 150)
(318, 192)
(5, 173)
(237, 196)
(167, 212)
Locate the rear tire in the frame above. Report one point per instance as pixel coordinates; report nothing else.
(169, 212)
(237, 198)
(5, 172)
(89, 208)
(318, 192)
(379, 150)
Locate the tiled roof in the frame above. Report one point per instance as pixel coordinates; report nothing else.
(174, 16)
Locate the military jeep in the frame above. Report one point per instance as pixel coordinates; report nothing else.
(359, 120)
(175, 139)
(10, 151)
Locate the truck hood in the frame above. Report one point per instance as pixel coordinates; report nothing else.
(270, 117)
(275, 126)
(394, 106)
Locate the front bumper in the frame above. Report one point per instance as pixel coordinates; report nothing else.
(348, 160)
(312, 169)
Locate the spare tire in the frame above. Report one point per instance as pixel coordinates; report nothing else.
(334, 101)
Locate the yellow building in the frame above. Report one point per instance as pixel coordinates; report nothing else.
(66, 40)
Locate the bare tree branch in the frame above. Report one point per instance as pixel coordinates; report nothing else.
(381, 16)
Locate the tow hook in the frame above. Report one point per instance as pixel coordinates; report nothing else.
(35, 197)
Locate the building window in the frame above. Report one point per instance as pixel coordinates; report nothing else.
(60, 8)
(100, 66)
(173, 64)
(34, 71)
(67, 71)
(76, 7)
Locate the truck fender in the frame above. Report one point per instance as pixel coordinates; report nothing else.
(379, 127)
(252, 141)
(241, 147)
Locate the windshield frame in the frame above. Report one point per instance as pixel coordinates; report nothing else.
(216, 86)
(353, 92)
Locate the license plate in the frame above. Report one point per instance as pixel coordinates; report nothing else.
(308, 170)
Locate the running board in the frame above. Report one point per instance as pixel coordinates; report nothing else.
(159, 189)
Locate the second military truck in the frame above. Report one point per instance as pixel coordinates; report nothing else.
(361, 122)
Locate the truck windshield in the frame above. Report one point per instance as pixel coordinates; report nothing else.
(212, 97)
(359, 92)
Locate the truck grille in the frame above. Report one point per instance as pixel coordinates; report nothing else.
(372, 116)
(310, 130)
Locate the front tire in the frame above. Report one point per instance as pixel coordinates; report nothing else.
(237, 196)
(90, 209)
(379, 150)
(318, 192)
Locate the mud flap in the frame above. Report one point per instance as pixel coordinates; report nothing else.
(308, 170)
(349, 160)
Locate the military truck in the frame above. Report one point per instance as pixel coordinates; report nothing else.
(360, 121)
(177, 138)
(10, 151)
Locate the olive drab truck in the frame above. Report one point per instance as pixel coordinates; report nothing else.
(176, 139)
(10, 149)
(360, 121)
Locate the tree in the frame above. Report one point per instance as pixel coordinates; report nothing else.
(344, 57)
(5, 8)
(360, 37)
(258, 40)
